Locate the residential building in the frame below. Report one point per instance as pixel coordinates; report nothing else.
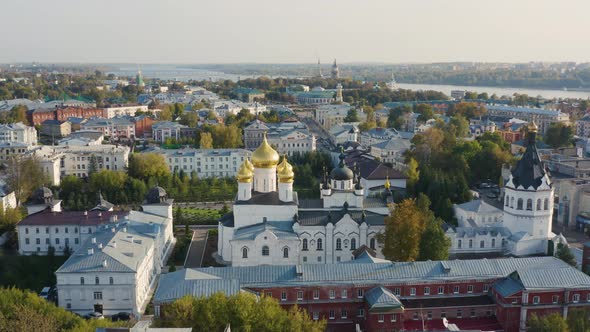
(288, 137)
(205, 163)
(123, 110)
(380, 135)
(248, 95)
(83, 138)
(373, 294)
(542, 117)
(271, 225)
(331, 115)
(63, 114)
(117, 128)
(56, 128)
(582, 126)
(143, 126)
(7, 198)
(17, 133)
(167, 129)
(345, 132)
(458, 94)
(117, 267)
(391, 151)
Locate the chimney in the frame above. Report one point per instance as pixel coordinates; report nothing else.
(114, 244)
(93, 240)
(90, 251)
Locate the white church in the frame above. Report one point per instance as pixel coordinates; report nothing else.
(270, 225)
(521, 224)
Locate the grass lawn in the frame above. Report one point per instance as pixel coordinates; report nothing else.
(28, 272)
(196, 216)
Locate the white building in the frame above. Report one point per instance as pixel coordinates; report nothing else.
(205, 163)
(288, 137)
(75, 159)
(270, 225)
(121, 127)
(167, 129)
(331, 115)
(345, 132)
(583, 126)
(16, 139)
(391, 151)
(522, 226)
(116, 268)
(543, 117)
(126, 110)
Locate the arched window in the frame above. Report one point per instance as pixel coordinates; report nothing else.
(459, 244)
(493, 243)
(244, 252)
(372, 243)
(539, 204)
(338, 244)
(265, 251)
(512, 202)
(285, 252)
(96, 280)
(519, 204)
(304, 244)
(546, 207)
(319, 245)
(507, 200)
(352, 244)
(529, 204)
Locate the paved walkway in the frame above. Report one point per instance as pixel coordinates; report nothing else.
(197, 248)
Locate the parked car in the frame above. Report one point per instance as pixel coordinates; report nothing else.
(45, 292)
(94, 315)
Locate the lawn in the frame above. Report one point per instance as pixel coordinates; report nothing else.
(28, 272)
(196, 216)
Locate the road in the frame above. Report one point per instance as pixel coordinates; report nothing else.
(319, 132)
(194, 257)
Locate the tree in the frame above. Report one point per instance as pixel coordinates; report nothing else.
(559, 134)
(26, 311)
(243, 311)
(550, 323)
(206, 141)
(467, 109)
(110, 183)
(578, 320)
(147, 165)
(92, 165)
(24, 175)
(459, 125)
(352, 115)
(564, 253)
(403, 230)
(425, 111)
(413, 175)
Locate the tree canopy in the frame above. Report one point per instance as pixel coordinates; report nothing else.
(548, 323)
(559, 135)
(147, 165)
(244, 312)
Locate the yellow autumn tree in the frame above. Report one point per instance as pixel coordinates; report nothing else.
(403, 232)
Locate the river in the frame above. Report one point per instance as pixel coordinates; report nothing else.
(500, 91)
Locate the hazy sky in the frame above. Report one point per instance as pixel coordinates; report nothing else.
(276, 31)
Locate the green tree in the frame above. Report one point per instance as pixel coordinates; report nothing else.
(578, 320)
(559, 134)
(92, 165)
(147, 165)
(23, 176)
(564, 253)
(352, 115)
(467, 109)
(206, 141)
(459, 125)
(244, 312)
(403, 231)
(425, 111)
(413, 174)
(110, 183)
(550, 323)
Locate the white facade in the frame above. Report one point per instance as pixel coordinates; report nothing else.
(166, 129)
(205, 162)
(116, 269)
(18, 133)
(111, 112)
(115, 128)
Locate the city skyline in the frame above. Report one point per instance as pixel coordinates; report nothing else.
(428, 31)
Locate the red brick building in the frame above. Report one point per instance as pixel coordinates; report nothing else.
(378, 295)
(38, 116)
(62, 114)
(143, 126)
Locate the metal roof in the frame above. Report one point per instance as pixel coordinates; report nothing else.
(380, 298)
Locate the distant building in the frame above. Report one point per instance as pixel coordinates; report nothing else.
(345, 132)
(378, 135)
(542, 117)
(582, 126)
(206, 163)
(248, 95)
(123, 110)
(143, 126)
(117, 128)
(288, 137)
(167, 129)
(331, 115)
(17, 133)
(335, 73)
(63, 114)
(458, 94)
(56, 128)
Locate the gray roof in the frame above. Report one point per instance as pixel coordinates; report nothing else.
(283, 230)
(478, 206)
(322, 218)
(381, 299)
(484, 230)
(508, 286)
(191, 282)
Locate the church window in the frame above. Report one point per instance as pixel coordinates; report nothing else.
(459, 244)
(285, 252)
(96, 280)
(512, 202)
(338, 244)
(304, 244)
(372, 243)
(265, 251)
(546, 207)
(319, 245)
(507, 200)
(341, 184)
(493, 243)
(482, 244)
(352, 244)
(529, 204)
(81, 280)
(519, 204)
(244, 252)
(470, 244)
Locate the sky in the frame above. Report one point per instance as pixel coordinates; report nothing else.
(276, 31)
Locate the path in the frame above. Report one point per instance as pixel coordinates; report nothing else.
(196, 250)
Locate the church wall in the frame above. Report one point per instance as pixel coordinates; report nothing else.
(535, 222)
(337, 199)
(255, 255)
(247, 214)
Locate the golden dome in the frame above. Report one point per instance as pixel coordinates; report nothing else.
(244, 173)
(249, 164)
(265, 156)
(282, 164)
(387, 184)
(533, 127)
(286, 174)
